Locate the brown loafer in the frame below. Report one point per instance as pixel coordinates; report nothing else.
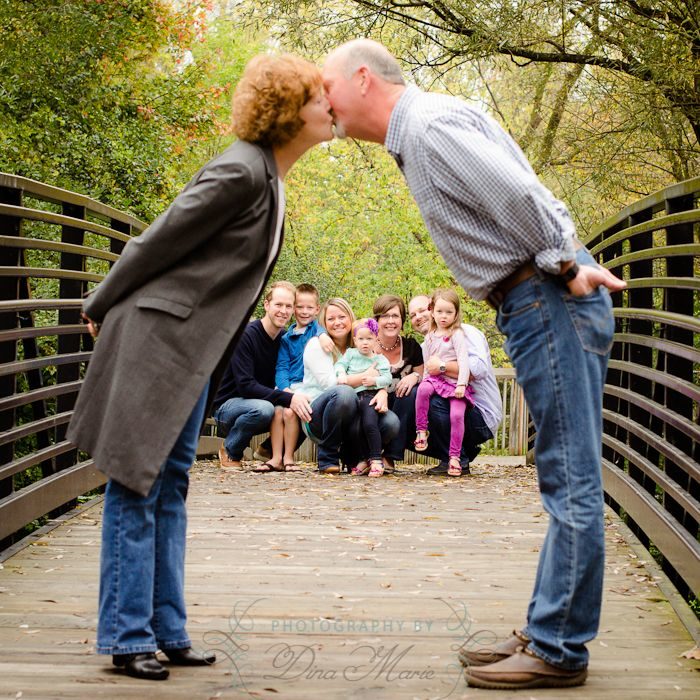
(226, 461)
(329, 470)
(523, 670)
(492, 652)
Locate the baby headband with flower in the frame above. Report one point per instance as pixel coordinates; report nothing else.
(368, 323)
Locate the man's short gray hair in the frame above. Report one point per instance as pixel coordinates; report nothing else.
(365, 52)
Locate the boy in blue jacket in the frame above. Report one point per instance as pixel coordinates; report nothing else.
(289, 375)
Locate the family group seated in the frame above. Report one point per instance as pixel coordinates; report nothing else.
(359, 388)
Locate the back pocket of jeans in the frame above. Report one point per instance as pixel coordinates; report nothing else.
(592, 318)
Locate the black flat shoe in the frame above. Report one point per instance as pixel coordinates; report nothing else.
(144, 666)
(189, 657)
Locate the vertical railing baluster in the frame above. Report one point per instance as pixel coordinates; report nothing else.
(640, 298)
(9, 290)
(69, 343)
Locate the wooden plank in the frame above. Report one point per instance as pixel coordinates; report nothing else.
(668, 317)
(677, 545)
(39, 304)
(43, 496)
(339, 567)
(49, 272)
(44, 361)
(42, 331)
(655, 224)
(41, 244)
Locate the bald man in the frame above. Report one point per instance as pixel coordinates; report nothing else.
(508, 240)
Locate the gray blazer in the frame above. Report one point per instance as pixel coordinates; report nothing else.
(172, 308)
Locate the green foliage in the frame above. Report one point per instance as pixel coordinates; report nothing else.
(100, 98)
(125, 101)
(31, 527)
(29, 476)
(603, 97)
(694, 605)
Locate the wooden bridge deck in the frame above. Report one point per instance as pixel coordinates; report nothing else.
(334, 587)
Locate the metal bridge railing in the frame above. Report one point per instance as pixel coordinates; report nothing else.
(651, 423)
(52, 244)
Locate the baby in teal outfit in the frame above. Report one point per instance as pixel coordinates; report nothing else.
(356, 361)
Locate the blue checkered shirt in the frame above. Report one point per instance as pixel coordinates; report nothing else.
(481, 200)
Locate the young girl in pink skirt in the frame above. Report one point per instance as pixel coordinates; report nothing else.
(446, 340)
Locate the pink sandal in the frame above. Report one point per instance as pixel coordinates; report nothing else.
(377, 468)
(421, 441)
(360, 469)
(455, 468)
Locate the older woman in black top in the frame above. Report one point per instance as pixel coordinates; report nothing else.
(406, 361)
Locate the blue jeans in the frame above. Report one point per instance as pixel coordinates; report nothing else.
(332, 414)
(559, 345)
(369, 424)
(142, 561)
(476, 433)
(238, 420)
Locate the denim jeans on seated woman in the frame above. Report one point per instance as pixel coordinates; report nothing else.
(142, 561)
(559, 345)
(332, 413)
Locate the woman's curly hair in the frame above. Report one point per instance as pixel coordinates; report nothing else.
(269, 97)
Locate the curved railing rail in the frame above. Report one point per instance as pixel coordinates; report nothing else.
(53, 245)
(652, 395)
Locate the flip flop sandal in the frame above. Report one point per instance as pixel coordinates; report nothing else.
(291, 467)
(455, 468)
(361, 469)
(377, 468)
(265, 468)
(282, 467)
(421, 443)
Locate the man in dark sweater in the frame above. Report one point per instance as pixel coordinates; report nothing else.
(246, 400)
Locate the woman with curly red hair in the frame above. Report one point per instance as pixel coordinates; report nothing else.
(168, 315)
